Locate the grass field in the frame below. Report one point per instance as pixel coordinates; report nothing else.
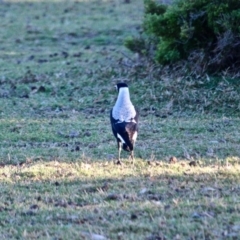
(59, 62)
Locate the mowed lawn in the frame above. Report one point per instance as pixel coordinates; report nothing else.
(59, 62)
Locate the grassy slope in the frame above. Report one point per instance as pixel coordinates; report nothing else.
(58, 65)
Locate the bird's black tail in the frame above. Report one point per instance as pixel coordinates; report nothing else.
(128, 147)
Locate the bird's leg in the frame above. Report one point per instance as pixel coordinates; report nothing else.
(132, 156)
(119, 153)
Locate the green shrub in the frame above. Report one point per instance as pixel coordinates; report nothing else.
(135, 44)
(207, 32)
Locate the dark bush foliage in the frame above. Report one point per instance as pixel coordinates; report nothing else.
(204, 34)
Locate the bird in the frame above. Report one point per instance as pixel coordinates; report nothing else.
(124, 121)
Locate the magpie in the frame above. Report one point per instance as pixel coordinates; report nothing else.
(124, 121)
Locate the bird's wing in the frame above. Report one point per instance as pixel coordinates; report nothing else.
(126, 132)
(113, 123)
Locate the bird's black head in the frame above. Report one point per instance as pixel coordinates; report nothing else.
(121, 85)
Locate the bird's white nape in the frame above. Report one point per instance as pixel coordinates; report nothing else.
(124, 109)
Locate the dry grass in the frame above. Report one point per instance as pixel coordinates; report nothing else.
(144, 201)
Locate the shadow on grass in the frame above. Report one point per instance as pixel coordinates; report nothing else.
(137, 202)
